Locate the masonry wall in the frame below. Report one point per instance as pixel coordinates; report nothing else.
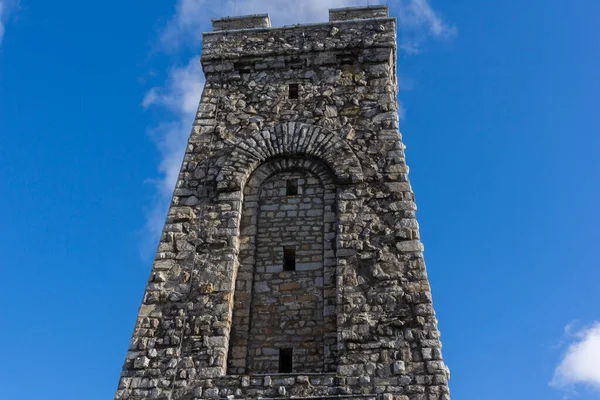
(189, 340)
(287, 306)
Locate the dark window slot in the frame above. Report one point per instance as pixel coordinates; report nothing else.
(293, 91)
(347, 59)
(286, 360)
(296, 63)
(289, 258)
(243, 68)
(291, 187)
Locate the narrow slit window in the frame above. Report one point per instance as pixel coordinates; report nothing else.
(243, 68)
(293, 94)
(346, 61)
(296, 63)
(291, 187)
(286, 362)
(289, 258)
(347, 58)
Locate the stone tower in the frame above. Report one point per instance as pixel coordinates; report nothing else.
(290, 264)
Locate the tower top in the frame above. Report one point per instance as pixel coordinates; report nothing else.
(254, 21)
(366, 30)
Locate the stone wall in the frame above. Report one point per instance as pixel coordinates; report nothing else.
(243, 22)
(350, 13)
(298, 308)
(195, 320)
(287, 306)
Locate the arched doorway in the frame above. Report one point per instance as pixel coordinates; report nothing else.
(284, 313)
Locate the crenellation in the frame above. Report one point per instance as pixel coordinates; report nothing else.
(354, 13)
(297, 46)
(241, 22)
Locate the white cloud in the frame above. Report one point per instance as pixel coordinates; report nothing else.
(417, 21)
(182, 91)
(6, 8)
(580, 364)
(2, 15)
(418, 14)
(180, 96)
(300, 11)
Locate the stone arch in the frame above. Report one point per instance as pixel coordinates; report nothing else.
(242, 334)
(290, 139)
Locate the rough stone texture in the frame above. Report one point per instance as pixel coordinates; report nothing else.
(243, 22)
(286, 308)
(349, 13)
(218, 306)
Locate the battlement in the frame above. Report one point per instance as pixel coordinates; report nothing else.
(365, 34)
(241, 22)
(254, 21)
(353, 13)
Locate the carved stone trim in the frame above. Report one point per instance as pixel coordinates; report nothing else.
(290, 139)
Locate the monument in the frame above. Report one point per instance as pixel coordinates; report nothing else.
(290, 264)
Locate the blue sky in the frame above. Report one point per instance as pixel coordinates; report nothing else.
(501, 124)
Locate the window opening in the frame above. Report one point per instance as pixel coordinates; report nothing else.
(289, 258)
(296, 63)
(293, 94)
(286, 362)
(291, 187)
(346, 58)
(243, 68)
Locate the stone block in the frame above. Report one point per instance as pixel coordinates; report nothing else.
(141, 362)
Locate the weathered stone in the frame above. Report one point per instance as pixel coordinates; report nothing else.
(141, 362)
(399, 367)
